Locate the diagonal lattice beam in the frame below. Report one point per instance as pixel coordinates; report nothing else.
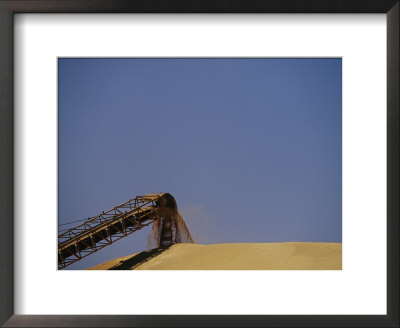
(106, 228)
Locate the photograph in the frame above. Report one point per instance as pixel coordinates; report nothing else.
(219, 163)
(247, 152)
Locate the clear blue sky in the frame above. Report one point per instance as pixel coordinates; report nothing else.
(251, 149)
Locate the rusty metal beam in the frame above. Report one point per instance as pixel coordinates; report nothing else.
(106, 228)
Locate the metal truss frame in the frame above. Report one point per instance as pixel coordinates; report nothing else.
(106, 228)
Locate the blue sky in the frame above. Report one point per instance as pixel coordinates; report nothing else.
(251, 149)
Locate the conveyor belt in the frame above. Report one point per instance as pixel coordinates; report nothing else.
(108, 227)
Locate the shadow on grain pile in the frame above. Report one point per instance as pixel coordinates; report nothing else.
(138, 259)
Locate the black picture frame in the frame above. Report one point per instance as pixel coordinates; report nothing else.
(10, 7)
